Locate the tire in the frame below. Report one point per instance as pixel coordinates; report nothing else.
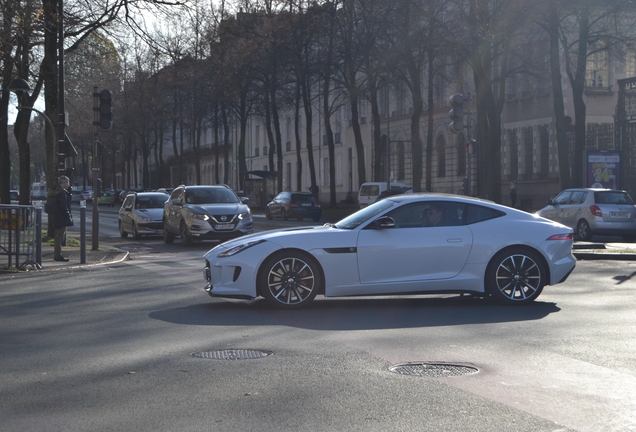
(268, 215)
(122, 233)
(168, 237)
(284, 214)
(186, 239)
(516, 276)
(583, 231)
(289, 280)
(135, 234)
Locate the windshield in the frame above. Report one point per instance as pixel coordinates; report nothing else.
(150, 202)
(210, 196)
(367, 213)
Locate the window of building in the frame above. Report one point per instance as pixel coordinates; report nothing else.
(441, 156)
(514, 154)
(597, 72)
(544, 150)
(528, 146)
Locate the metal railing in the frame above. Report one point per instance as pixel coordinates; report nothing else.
(21, 236)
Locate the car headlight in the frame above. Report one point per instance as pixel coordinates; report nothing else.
(144, 219)
(239, 248)
(245, 216)
(199, 216)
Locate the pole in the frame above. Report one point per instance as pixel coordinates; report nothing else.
(95, 168)
(83, 232)
(388, 138)
(60, 88)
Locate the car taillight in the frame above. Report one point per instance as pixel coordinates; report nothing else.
(596, 211)
(317, 205)
(569, 236)
(293, 205)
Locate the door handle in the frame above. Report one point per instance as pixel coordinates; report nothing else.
(454, 240)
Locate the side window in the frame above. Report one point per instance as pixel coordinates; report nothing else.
(562, 198)
(578, 197)
(428, 214)
(128, 201)
(475, 213)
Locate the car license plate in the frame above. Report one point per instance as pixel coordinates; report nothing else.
(305, 204)
(225, 226)
(618, 214)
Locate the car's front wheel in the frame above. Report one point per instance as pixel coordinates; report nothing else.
(284, 214)
(122, 232)
(268, 214)
(289, 280)
(135, 233)
(168, 237)
(515, 276)
(186, 239)
(584, 231)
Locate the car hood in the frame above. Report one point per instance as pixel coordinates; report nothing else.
(229, 208)
(154, 213)
(306, 238)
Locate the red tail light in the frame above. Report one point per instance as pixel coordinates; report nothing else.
(596, 211)
(293, 205)
(569, 236)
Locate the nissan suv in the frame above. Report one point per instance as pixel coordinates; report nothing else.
(205, 213)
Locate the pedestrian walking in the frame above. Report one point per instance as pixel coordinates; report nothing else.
(513, 193)
(59, 211)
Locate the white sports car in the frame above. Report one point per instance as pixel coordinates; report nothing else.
(406, 244)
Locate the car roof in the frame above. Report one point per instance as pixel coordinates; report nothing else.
(437, 197)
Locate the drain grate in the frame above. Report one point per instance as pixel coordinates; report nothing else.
(438, 370)
(232, 354)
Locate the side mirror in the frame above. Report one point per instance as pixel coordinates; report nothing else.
(384, 222)
(244, 200)
(129, 208)
(549, 202)
(176, 201)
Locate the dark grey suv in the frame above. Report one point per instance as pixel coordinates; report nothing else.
(205, 213)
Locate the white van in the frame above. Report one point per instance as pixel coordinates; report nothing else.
(369, 191)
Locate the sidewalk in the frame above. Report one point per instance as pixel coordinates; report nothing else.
(104, 255)
(605, 251)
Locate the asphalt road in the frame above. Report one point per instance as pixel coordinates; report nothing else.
(109, 348)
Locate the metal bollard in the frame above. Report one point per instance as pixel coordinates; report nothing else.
(82, 232)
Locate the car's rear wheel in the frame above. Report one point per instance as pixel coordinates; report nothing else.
(186, 239)
(168, 237)
(583, 230)
(268, 214)
(289, 280)
(122, 232)
(515, 276)
(135, 233)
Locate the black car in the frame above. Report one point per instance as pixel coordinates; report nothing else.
(297, 205)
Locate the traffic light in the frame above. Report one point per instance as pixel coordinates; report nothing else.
(456, 113)
(105, 109)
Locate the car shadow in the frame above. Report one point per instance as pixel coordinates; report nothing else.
(358, 313)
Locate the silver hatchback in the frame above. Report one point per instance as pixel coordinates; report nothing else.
(594, 211)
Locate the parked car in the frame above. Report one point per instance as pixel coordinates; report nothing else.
(15, 196)
(478, 247)
(591, 211)
(77, 196)
(394, 191)
(167, 191)
(107, 198)
(297, 205)
(370, 191)
(141, 214)
(205, 213)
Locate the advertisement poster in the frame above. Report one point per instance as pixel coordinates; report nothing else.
(603, 170)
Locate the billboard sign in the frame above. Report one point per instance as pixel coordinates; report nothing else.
(603, 170)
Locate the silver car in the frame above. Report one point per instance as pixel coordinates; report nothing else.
(594, 211)
(141, 214)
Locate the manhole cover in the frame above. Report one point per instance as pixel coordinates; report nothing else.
(232, 354)
(438, 370)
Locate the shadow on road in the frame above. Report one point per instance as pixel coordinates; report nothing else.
(358, 314)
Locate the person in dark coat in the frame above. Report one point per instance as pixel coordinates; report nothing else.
(60, 217)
